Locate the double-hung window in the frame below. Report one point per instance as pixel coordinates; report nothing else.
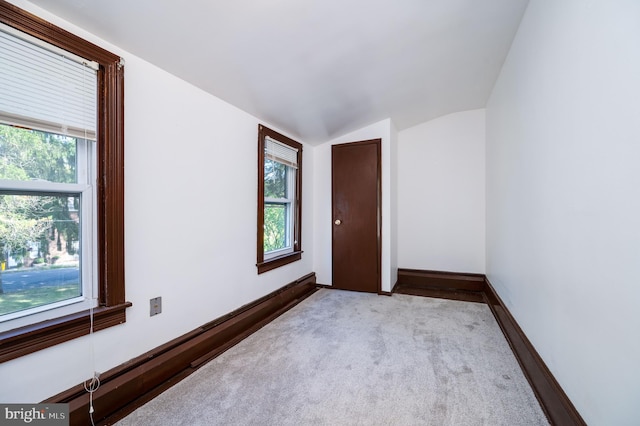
(61, 185)
(47, 180)
(279, 199)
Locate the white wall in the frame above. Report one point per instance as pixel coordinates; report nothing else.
(563, 175)
(190, 218)
(322, 193)
(393, 201)
(441, 194)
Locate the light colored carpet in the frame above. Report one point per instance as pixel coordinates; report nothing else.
(346, 358)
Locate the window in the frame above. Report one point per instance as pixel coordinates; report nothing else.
(61, 185)
(279, 199)
(46, 247)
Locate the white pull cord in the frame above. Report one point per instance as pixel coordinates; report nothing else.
(92, 384)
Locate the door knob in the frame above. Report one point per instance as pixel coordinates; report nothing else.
(338, 222)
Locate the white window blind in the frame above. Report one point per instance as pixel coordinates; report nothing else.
(280, 152)
(46, 88)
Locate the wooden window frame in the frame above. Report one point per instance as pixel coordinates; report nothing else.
(110, 195)
(275, 262)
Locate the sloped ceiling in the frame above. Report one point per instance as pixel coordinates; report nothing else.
(317, 68)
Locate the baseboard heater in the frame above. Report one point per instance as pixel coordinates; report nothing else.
(128, 386)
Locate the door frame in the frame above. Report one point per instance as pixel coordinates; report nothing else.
(378, 143)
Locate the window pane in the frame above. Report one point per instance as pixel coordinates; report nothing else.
(39, 250)
(275, 227)
(30, 154)
(275, 179)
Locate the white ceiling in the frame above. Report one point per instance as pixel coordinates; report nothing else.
(317, 68)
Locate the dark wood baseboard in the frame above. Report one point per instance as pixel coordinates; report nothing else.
(330, 287)
(451, 294)
(554, 401)
(128, 386)
(442, 285)
(467, 287)
(417, 278)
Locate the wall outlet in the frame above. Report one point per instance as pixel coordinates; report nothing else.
(155, 307)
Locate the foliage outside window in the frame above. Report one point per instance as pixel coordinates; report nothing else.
(61, 186)
(279, 199)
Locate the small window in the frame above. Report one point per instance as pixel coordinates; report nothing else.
(279, 199)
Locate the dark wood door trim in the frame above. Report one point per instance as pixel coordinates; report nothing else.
(378, 144)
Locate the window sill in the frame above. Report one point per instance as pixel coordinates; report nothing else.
(25, 340)
(276, 262)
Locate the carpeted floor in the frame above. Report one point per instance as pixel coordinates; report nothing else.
(346, 358)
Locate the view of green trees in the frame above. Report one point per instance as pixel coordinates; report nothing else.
(26, 220)
(275, 214)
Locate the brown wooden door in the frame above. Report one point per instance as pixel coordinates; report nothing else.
(356, 199)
